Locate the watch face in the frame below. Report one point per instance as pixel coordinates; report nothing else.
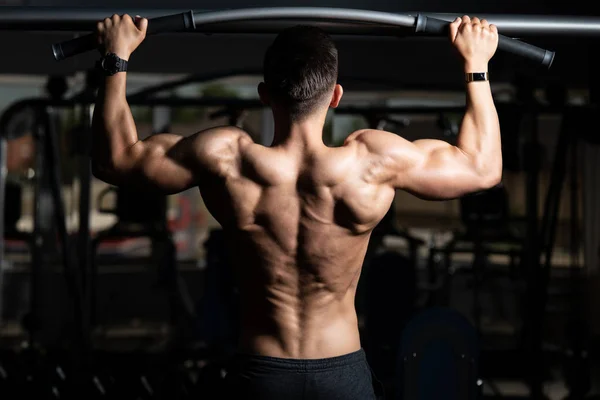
(111, 64)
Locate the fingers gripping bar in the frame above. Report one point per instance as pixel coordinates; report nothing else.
(171, 23)
(541, 56)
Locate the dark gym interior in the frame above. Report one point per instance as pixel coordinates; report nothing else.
(109, 292)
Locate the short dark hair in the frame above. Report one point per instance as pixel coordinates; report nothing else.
(300, 68)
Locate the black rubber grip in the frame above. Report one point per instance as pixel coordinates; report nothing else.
(541, 56)
(171, 23)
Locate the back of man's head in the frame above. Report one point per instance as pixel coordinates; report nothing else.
(301, 69)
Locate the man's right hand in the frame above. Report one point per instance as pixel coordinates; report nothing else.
(121, 34)
(475, 40)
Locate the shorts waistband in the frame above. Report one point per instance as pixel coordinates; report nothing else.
(301, 365)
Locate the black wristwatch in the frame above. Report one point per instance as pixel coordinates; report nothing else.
(111, 63)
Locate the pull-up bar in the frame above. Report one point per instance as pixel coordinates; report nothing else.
(253, 17)
(61, 19)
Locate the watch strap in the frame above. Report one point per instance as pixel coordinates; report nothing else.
(121, 64)
(477, 76)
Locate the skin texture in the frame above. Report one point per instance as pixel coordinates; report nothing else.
(298, 214)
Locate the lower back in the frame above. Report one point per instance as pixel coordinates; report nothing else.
(281, 324)
(326, 338)
(302, 306)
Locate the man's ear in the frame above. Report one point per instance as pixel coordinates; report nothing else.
(338, 92)
(263, 94)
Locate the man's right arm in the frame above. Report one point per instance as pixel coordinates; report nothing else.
(434, 169)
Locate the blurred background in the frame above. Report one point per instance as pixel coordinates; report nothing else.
(112, 293)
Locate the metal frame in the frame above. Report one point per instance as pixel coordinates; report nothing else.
(49, 209)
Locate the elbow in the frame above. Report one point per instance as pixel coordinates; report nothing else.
(114, 168)
(491, 177)
(101, 172)
(106, 172)
(492, 180)
(487, 170)
(486, 173)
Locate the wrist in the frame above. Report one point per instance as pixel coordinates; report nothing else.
(120, 52)
(470, 67)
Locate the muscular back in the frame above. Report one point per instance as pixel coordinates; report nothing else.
(298, 223)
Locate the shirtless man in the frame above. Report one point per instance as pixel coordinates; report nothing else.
(298, 214)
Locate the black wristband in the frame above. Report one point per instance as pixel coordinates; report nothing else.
(476, 76)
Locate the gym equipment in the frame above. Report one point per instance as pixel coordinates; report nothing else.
(170, 23)
(203, 21)
(565, 166)
(139, 214)
(135, 207)
(438, 345)
(486, 231)
(80, 20)
(49, 215)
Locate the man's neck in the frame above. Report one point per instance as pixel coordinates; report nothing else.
(305, 133)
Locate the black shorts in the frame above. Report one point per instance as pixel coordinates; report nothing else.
(346, 377)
